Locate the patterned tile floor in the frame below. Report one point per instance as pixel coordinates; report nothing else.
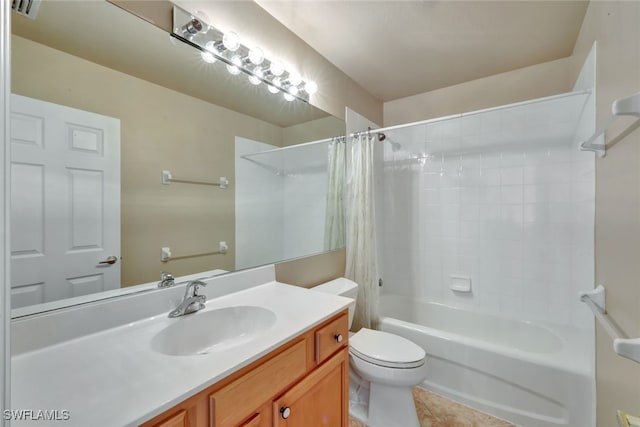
(436, 411)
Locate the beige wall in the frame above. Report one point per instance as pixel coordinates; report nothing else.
(313, 130)
(311, 271)
(615, 25)
(548, 78)
(160, 129)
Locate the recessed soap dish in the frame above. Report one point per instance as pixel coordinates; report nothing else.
(460, 284)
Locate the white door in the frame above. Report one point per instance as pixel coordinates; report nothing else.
(65, 202)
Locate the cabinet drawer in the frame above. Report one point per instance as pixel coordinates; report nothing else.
(331, 337)
(235, 402)
(255, 421)
(178, 420)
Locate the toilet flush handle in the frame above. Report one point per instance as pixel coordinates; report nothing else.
(338, 338)
(285, 411)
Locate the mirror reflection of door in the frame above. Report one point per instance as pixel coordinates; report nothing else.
(65, 202)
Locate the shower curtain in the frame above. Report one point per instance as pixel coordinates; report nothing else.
(362, 265)
(334, 217)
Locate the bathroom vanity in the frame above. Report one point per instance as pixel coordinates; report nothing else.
(302, 383)
(261, 353)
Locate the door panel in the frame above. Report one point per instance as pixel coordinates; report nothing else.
(65, 201)
(86, 200)
(27, 233)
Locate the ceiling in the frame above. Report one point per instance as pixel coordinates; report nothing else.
(395, 49)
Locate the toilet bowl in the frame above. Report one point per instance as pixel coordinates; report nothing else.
(383, 369)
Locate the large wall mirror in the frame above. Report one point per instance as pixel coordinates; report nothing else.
(103, 102)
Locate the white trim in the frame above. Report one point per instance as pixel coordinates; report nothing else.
(471, 113)
(5, 306)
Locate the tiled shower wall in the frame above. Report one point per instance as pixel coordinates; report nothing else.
(517, 221)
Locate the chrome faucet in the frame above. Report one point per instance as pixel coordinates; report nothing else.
(166, 280)
(192, 301)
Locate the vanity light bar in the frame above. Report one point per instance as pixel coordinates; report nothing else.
(214, 45)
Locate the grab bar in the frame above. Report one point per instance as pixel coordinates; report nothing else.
(167, 179)
(622, 345)
(628, 106)
(166, 253)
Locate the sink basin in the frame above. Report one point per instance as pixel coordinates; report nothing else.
(210, 331)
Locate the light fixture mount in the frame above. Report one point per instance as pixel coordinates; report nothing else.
(194, 31)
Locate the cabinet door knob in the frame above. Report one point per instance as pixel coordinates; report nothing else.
(285, 411)
(338, 337)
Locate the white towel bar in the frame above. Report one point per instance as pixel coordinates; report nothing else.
(167, 179)
(622, 345)
(628, 106)
(166, 256)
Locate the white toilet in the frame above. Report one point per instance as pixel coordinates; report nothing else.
(384, 368)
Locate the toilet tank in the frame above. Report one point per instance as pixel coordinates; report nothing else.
(344, 288)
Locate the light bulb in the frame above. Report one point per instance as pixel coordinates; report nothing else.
(311, 87)
(288, 97)
(231, 41)
(293, 90)
(294, 78)
(277, 82)
(257, 74)
(276, 88)
(208, 57)
(211, 47)
(276, 68)
(256, 56)
(234, 69)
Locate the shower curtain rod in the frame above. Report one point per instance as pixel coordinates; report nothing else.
(471, 113)
(273, 150)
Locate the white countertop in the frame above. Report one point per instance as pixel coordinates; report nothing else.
(114, 377)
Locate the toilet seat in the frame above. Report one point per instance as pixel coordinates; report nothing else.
(385, 349)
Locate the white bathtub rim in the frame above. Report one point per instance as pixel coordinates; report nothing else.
(554, 328)
(575, 340)
(559, 360)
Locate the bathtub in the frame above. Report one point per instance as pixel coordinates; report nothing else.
(530, 374)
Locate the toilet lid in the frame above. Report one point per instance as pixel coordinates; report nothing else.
(385, 349)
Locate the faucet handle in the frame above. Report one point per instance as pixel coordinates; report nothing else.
(196, 287)
(193, 287)
(166, 280)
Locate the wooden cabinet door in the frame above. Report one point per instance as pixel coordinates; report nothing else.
(319, 400)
